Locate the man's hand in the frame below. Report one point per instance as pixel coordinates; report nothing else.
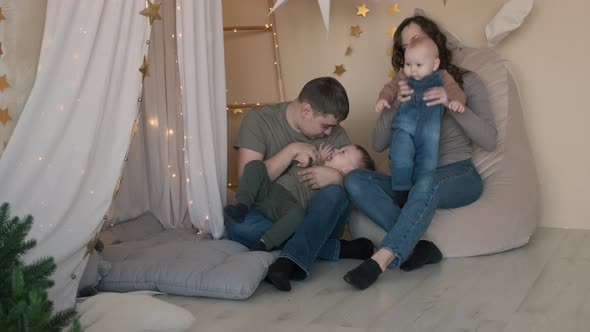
(303, 160)
(318, 177)
(299, 148)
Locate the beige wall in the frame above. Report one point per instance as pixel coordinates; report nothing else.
(549, 55)
(21, 34)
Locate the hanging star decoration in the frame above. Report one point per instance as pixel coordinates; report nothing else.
(135, 127)
(238, 111)
(145, 68)
(324, 10)
(362, 10)
(3, 83)
(152, 11)
(348, 51)
(2, 17)
(117, 186)
(391, 31)
(339, 70)
(4, 116)
(91, 245)
(355, 30)
(393, 9)
(392, 73)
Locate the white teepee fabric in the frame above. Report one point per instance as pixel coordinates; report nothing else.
(201, 62)
(67, 149)
(154, 177)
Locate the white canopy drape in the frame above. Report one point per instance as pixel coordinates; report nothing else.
(68, 148)
(154, 179)
(201, 62)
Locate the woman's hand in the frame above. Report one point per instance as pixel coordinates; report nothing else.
(404, 92)
(436, 96)
(318, 177)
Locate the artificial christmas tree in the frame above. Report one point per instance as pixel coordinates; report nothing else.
(24, 305)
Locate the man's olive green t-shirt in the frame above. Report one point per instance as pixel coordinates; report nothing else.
(266, 130)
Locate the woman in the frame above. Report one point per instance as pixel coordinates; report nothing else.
(454, 183)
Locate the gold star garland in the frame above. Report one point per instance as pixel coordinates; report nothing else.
(4, 116)
(339, 70)
(348, 51)
(392, 73)
(355, 31)
(393, 9)
(91, 245)
(144, 69)
(391, 31)
(152, 12)
(3, 83)
(362, 10)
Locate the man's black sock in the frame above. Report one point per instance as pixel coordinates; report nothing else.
(363, 275)
(401, 197)
(280, 272)
(424, 253)
(360, 248)
(237, 212)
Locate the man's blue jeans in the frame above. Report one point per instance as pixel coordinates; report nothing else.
(317, 237)
(447, 187)
(415, 135)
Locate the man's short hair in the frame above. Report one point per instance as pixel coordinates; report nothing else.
(327, 96)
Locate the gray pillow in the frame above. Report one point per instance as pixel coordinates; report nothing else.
(183, 263)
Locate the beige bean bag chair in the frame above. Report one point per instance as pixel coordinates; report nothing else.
(509, 209)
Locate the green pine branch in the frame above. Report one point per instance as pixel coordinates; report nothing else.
(24, 304)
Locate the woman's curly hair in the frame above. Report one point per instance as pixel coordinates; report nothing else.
(431, 30)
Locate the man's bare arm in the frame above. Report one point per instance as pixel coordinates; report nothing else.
(278, 163)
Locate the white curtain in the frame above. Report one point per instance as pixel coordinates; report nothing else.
(154, 177)
(67, 150)
(199, 27)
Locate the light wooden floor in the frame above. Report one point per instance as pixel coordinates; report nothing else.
(544, 286)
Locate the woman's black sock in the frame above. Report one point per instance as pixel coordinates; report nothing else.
(363, 275)
(280, 272)
(360, 248)
(424, 253)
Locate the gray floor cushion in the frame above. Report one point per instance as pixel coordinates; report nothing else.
(183, 263)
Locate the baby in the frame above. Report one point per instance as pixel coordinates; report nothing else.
(416, 126)
(272, 199)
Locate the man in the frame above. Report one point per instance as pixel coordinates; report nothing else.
(277, 134)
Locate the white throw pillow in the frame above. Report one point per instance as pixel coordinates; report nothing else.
(132, 313)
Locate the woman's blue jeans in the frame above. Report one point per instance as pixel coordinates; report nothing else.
(317, 237)
(447, 187)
